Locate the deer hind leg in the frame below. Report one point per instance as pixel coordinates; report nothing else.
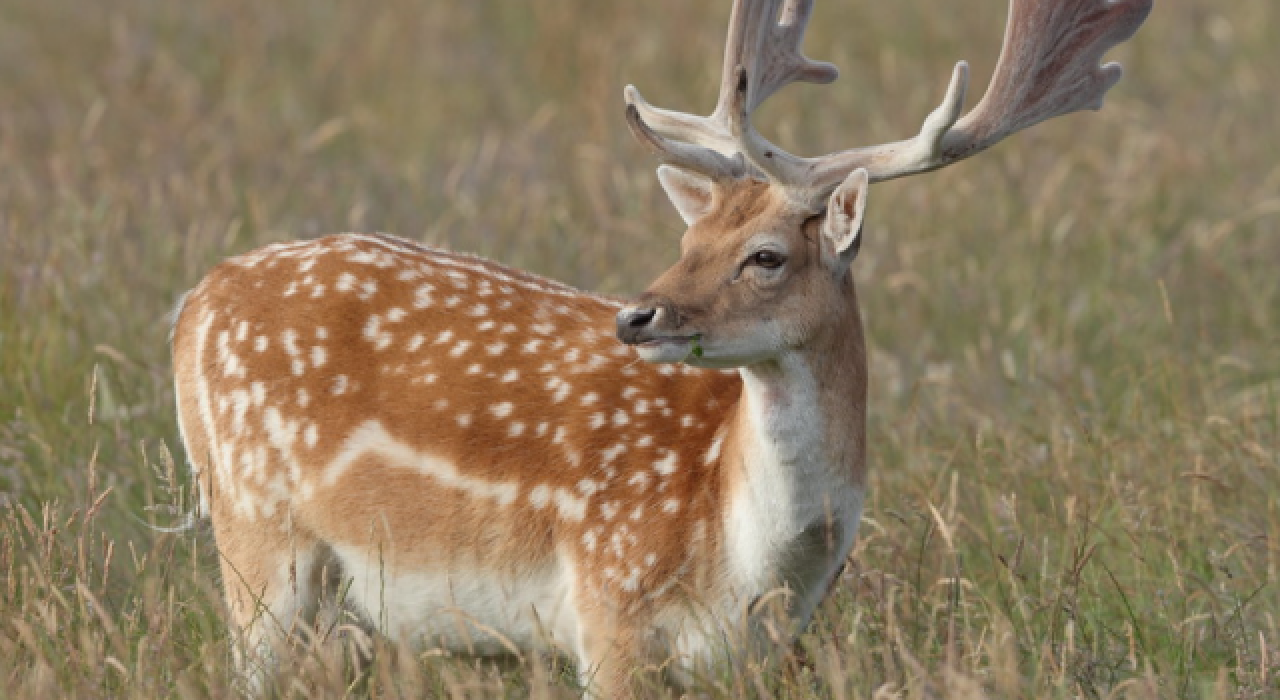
(270, 577)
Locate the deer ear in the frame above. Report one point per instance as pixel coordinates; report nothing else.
(690, 193)
(842, 228)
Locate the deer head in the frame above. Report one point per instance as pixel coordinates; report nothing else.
(759, 272)
(765, 261)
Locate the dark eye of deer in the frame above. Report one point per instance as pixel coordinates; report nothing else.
(767, 259)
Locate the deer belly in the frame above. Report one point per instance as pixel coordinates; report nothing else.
(467, 611)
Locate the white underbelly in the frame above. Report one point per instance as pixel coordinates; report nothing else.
(465, 611)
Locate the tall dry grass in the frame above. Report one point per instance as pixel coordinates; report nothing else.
(1075, 425)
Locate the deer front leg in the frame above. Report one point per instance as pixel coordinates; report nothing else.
(610, 651)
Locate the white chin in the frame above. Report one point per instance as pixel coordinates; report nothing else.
(665, 352)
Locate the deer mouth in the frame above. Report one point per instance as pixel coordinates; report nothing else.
(664, 349)
(667, 340)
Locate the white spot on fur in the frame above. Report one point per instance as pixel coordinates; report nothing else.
(666, 465)
(511, 375)
(632, 582)
(569, 506)
(280, 433)
(373, 332)
(422, 296)
(501, 410)
(713, 453)
(612, 453)
(239, 407)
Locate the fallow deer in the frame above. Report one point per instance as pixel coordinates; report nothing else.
(481, 462)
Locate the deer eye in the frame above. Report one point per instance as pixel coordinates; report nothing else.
(767, 259)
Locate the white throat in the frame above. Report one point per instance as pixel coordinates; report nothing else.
(789, 479)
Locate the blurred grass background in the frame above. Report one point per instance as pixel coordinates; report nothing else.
(1075, 422)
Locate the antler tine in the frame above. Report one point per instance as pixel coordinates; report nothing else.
(764, 41)
(1048, 67)
(698, 159)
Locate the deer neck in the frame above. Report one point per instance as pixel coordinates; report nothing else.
(796, 445)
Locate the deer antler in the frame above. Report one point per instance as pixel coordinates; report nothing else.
(764, 42)
(1048, 66)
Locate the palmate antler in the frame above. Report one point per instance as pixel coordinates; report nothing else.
(1048, 66)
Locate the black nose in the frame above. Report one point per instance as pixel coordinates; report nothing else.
(632, 320)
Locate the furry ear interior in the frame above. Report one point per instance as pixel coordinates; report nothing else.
(691, 194)
(843, 225)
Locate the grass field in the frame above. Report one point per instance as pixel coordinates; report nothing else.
(1075, 420)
